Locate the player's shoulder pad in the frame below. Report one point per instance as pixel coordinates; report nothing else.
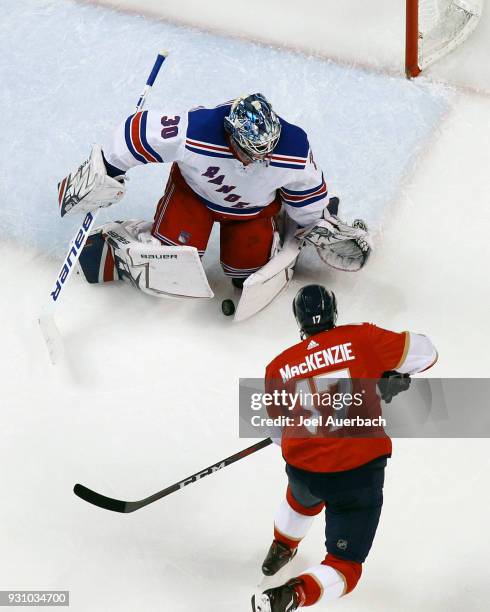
(205, 130)
(292, 149)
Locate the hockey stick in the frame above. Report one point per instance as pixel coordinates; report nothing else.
(116, 505)
(49, 329)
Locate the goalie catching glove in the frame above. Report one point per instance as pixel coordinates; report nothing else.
(90, 187)
(341, 246)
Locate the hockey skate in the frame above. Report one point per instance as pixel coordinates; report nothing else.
(278, 556)
(281, 599)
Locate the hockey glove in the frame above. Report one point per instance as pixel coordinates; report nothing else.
(89, 187)
(392, 383)
(341, 246)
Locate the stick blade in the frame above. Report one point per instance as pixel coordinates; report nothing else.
(96, 499)
(52, 337)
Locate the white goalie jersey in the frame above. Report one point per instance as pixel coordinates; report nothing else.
(197, 142)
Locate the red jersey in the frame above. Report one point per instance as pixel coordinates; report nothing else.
(362, 351)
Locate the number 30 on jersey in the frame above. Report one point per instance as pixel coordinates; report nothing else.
(170, 126)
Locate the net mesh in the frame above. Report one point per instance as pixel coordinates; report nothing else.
(443, 25)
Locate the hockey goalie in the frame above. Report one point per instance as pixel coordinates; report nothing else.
(238, 165)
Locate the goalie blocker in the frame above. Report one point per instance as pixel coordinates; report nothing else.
(125, 250)
(89, 187)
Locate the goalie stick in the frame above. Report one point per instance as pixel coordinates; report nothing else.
(117, 505)
(49, 329)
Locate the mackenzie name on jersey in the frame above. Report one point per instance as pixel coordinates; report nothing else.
(320, 359)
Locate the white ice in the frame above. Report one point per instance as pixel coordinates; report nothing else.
(51, 131)
(413, 157)
(352, 32)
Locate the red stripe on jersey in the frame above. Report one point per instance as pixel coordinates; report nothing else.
(109, 266)
(299, 198)
(61, 190)
(136, 138)
(207, 146)
(294, 160)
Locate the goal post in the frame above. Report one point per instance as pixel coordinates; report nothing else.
(434, 28)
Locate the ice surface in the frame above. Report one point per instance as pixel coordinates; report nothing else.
(112, 415)
(78, 72)
(353, 32)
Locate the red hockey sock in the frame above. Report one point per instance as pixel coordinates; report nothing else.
(350, 570)
(308, 590)
(285, 540)
(299, 508)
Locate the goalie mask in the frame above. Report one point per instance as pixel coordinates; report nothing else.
(315, 309)
(253, 126)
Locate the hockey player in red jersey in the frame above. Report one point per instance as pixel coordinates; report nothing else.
(237, 164)
(342, 475)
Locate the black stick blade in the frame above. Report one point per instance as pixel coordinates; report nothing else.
(108, 503)
(116, 505)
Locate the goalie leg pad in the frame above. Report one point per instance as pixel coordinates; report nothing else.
(262, 287)
(156, 269)
(96, 260)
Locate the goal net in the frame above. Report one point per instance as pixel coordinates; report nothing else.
(435, 28)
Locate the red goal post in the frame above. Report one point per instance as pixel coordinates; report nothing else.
(436, 27)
